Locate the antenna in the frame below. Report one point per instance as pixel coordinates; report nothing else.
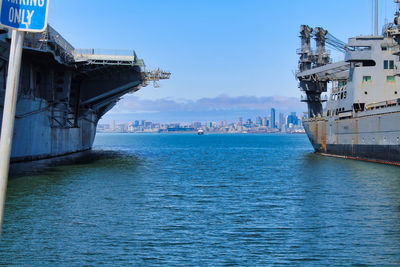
(372, 17)
(376, 17)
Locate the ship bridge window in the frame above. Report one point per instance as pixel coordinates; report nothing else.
(359, 48)
(342, 83)
(390, 78)
(366, 78)
(368, 63)
(387, 48)
(388, 64)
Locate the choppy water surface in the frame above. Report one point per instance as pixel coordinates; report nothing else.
(204, 200)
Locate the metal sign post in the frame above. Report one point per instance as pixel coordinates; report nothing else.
(10, 101)
(20, 16)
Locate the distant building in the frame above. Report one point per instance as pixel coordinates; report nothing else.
(240, 122)
(264, 121)
(281, 121)
(196, 125)
(272, 120)
(259, 120)
(248, 123)
(112, 126)
(292, 118)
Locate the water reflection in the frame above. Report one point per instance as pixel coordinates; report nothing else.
(112, 158)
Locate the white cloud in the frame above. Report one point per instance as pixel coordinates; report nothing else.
(135, 105)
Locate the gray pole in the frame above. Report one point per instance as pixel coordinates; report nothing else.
(376, 17)
(10, 101)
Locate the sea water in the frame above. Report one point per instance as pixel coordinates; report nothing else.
(215, 200)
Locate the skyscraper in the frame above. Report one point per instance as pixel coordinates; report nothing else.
(281, 120)
(259, 120)
(272, 120)
(240, 122)
(292, 118)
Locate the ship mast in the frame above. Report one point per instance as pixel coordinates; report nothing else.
(376, 17)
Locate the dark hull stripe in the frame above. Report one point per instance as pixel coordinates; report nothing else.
(41, 157)
(388, 154)
(362, 159)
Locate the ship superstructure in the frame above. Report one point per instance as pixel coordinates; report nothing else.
(64, 91)
(362, 111)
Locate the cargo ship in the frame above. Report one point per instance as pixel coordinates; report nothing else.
(63, 92)
(360, 117)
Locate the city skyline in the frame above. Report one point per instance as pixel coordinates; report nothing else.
(279, 116)
(289, 123)
(219, 108)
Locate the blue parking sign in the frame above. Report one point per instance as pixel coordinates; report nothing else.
(24, 15)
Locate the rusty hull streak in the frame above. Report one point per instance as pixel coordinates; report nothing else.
(323, 135)
(315, 131)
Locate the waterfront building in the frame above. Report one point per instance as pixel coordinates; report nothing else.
(281, 120)
(264, 121)
(248, 123)
(240, 121)
(272, 120)
(292, 118)
(196, 125)
(259, 120)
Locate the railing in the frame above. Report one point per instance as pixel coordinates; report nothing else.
(383, 104)
(53, 35)
(103, 52)
(42, 41)
(51, 40)
(105, 56)
(322, 98)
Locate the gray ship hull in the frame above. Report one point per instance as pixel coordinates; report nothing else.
(369, 136)
(35, 138)
(63, 93)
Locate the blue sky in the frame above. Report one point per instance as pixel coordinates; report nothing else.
(212, 47)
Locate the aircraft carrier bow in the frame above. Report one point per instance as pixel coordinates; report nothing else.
(64, 91)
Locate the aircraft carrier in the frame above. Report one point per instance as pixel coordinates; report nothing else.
(64, 91)
(360, 117)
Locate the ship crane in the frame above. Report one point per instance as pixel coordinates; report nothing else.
(154, 76)
(335, 43)
(316, 69)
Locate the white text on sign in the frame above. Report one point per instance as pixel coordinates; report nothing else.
(23, 16)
